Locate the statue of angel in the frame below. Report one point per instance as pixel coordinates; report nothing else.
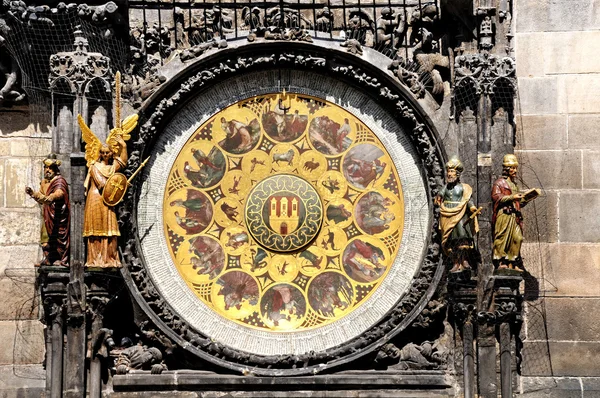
(103, 160)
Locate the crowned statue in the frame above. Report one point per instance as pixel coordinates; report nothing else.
(102, 185)
(458, 221)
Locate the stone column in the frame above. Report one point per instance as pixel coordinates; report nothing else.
(74, 381)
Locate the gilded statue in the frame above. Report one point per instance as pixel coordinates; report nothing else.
(458, 221)
(507, 220)
(53, 195)
(104, 161)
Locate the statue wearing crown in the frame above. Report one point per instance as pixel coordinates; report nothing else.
(104, 187)
(458, 221)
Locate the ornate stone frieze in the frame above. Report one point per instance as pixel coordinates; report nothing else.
(483, 71)
(78, 66)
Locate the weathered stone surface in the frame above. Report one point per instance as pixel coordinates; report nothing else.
(569, 319)
(556, 15)
(23, 342)
(22, 381)
(541, 218)
(30, 147)
(2, 183)
(17, 282)
(4, 146)
(578, 93)
(20, 227)
(16, 173)
(529, 48)
(542, 132)
(591, 169)
(574, 270)
(540, 95)
(578, 212)
(551, 169)
(550, 387)
(571, 52)
(591, 387)
(568, 358)
(21, 124)
(583, 131)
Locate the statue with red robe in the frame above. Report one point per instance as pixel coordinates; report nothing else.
(54, 198)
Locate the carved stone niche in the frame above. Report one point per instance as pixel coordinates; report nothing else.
(221, 129)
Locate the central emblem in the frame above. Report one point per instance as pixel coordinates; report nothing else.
(284, 213)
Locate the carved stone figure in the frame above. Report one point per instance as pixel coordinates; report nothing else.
(103, 161)
(507, 221)
(458, 221)
(140, 358)
(54, 198)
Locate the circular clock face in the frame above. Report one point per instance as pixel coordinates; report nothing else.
(280, 224)
(283, 213)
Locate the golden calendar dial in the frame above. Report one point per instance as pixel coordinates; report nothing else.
(283, 219)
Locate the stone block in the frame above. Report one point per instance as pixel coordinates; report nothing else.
(583, 132)
(591, 387)
(2, 183)
(20, 227)
(16, 175)
(578, 213)
(541, 132)
(529, 50)
(540, 95)
(22, 381)
(569, 358)
(17, 282)
(548, 387)
(23, 342)
(555, 15)
(541, 218)
(569, 319)
(550, 169)
(22, 124)
(4, 146)
(591, 169)
(574, 270)
(578, 93)
(30, 147)
(571, 52)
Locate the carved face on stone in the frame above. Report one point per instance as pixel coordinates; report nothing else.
(106, 154)
(512, 172)
(452, 175)
(49, 172)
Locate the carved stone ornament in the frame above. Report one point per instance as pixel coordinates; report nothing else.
(169, 324)
(78, 66)
(483, 70)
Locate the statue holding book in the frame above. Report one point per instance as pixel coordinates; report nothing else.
(507, 220)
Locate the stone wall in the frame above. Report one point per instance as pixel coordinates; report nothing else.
(23, 143)
(558, 68)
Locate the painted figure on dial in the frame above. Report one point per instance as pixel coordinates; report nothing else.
(507, 221)
(458, 221)
(54, 198)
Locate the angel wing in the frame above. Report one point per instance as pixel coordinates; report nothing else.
(92, 143)
(127, 127)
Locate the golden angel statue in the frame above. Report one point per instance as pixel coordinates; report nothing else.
(104, 161)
